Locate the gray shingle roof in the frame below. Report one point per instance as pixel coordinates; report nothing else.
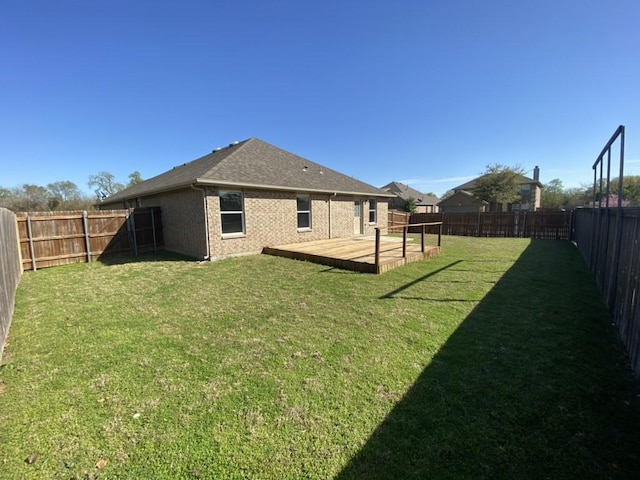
(405, 192)
(461, 194)
(251, 163)
(471, 184)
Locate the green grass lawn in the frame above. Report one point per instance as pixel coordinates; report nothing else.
(495, 359)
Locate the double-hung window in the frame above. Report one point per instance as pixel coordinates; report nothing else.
(373, 214)
(303, 207)
(231, 212)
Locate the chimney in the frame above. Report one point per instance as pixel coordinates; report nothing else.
(536, 173)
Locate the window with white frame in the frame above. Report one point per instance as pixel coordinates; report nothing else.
(373, 213)
(231, 212)
(303, 203)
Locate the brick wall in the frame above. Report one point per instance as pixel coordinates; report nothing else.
(183, 220)
(270, 219)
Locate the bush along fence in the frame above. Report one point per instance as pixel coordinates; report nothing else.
(10, 272)
(541, 225)
(57, 238)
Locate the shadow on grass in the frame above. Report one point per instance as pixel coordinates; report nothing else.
(393, 293)
(159, 256)
(533, 384)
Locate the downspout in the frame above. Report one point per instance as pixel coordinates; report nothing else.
(206, 221)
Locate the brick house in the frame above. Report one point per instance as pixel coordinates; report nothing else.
(462, 200)
(249, 195)
(424, 203)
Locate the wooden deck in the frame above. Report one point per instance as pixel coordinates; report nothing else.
(357, 253)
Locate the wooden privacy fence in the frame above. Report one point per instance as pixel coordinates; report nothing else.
(397, 219)
(609, 241)
(541, 225)
(10, 272)
(57, 238)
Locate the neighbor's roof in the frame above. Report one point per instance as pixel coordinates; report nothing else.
(251, 163)
(470, 185)
(405, 192)
(462, 196)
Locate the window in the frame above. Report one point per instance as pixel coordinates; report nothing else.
(231, 212)
(373, 214)
(356, 208)
(304, 211)
(525, 190)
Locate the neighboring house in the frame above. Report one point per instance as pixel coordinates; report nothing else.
(530, 196)
(424, 203)
(250, 195)
(462, 201)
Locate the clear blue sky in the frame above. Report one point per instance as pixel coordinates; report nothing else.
(424, 92)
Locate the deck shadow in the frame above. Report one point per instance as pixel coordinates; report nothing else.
(531, 385)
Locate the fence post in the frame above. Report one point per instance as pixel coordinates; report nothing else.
(87, 243)
(440, 233)
(153, 230)
(404, 241)
(377, 253)
(31, 248)
(131, 225)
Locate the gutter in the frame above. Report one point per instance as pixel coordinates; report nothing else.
(218, 183)
(203, 181)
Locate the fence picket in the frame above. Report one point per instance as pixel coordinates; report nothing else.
(57, 238)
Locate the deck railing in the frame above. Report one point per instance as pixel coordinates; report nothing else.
(405, 229)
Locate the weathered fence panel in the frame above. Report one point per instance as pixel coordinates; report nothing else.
(57, 238)
(609, 241)
(397, 219)
(10, 272)
(540, 225)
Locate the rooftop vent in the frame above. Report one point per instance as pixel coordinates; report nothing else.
(234, 143)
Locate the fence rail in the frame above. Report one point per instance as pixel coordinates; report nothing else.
(9, 273)
(57, 238)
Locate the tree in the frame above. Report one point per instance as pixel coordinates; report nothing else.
(410, 205)
(499, 184)
(62, 194)
(134, 178)
(630, 189)
(554, 196)
(105, 184)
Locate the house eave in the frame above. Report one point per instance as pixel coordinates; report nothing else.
(218, 183)
(204, 182)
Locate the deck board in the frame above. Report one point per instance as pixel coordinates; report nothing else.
(356, 253)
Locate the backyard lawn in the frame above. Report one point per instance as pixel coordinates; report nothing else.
(495, 359)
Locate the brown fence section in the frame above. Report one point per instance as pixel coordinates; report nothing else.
(10, 271)
(397, 219)
(57, 238)
(541, 225)
(609, 241)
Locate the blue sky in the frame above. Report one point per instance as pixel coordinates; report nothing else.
(426, 92)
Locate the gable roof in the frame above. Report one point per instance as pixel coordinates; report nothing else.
(251, 163)
(462, 197)
(471, 184)
(405, 192)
